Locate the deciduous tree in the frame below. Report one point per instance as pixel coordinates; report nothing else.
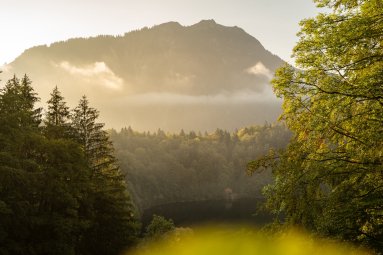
(330, 179)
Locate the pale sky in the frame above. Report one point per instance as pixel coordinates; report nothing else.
(27, 23)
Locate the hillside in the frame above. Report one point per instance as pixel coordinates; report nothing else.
(167, 168)
(169, 76)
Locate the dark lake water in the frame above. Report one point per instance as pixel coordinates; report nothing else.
(241, 211)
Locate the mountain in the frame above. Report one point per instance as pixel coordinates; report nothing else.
(169, 76)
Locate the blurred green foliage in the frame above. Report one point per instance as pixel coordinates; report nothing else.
(244, 241)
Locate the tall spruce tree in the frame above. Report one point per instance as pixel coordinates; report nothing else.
(42, 181)
(67, 185)
(19, 173)
(59, 193)
(113, 221)
(57, 117)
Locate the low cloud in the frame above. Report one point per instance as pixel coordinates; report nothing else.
(260, 69)
(5, 68)
(239, 97)
(97, 73)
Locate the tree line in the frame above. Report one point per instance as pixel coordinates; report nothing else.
(61, 189)
(165, 167)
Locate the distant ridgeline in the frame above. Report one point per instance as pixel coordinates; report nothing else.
(164, 168)
(169, 76)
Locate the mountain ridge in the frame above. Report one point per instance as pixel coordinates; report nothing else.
(203, 61)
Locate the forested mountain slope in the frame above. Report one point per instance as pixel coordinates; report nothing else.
(165, 168)
(169, 76)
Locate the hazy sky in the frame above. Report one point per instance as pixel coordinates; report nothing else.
(27, 23)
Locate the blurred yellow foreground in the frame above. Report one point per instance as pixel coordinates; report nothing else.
(241, 241)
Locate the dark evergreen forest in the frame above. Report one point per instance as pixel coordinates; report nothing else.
(61, 190)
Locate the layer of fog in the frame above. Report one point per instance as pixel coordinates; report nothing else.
(97, 73)
(120, 106)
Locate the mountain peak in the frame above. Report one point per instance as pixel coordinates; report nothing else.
(206, 23)
(197, 76)
(170, 25)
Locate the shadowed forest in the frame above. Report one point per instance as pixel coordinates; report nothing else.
(165, 168)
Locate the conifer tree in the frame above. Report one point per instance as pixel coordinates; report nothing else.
(59, 193)
(67, 178)
(19, 171)
(17, 104)
(57, 117)
(113, 221)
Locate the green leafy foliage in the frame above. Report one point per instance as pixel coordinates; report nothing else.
(330, 177)
(158, 227)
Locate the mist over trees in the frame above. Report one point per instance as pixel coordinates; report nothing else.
(165, 168)
(61, 191)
